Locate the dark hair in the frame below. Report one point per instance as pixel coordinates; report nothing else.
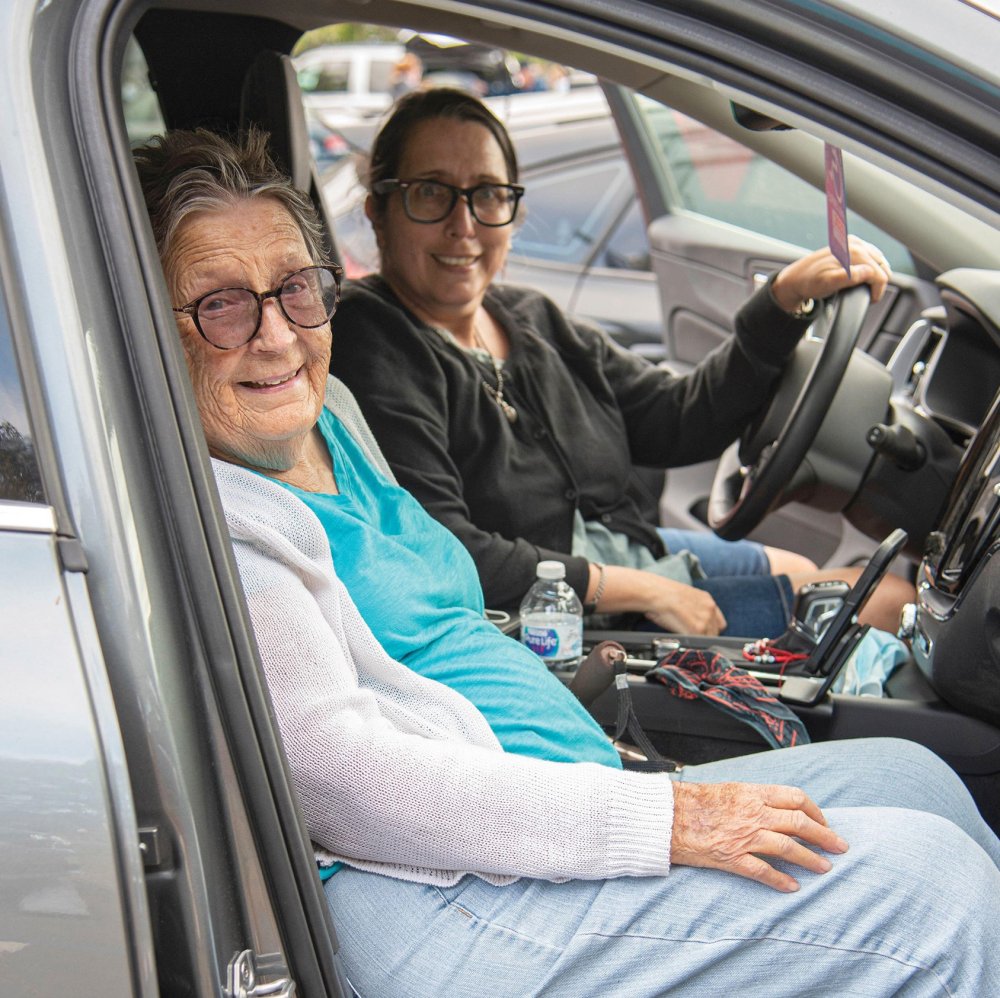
(424, 105)
(184, 172)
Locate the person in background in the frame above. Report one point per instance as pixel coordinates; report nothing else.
(451, 865)
(531, 78)
(407, 74)
(518, 428)
(557, 78)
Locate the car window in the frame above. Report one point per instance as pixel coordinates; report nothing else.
(19, 477)
(380, 75)
(330, 77)
(627, 247)
(566, 211)
(716, 176)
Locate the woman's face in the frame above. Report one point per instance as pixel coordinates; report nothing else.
(441, 270)
(258, 402)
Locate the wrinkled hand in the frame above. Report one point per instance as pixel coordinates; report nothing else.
(820, 274)
(730, 826)
(685, 610)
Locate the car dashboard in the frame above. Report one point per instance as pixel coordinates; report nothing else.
(956, 634)
(948, 363)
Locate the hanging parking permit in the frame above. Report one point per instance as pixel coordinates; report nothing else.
(836, 206)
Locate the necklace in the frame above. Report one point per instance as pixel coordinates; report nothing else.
(495, 393)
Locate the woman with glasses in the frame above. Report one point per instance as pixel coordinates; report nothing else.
(254, 297)
(472, 854)
(518, 428)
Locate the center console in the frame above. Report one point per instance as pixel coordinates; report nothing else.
(806, 660)
(826, 630)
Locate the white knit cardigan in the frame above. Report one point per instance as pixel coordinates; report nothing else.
(396, 773)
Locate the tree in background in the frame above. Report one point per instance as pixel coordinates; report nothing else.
(342, 34)
(18, 471)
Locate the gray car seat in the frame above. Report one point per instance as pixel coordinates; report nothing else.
(272, 101)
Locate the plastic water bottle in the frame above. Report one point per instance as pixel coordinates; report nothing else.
(552, 618)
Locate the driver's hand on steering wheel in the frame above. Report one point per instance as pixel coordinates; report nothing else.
(820, 274)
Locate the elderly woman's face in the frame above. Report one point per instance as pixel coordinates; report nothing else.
(260, 401)
(442, 269)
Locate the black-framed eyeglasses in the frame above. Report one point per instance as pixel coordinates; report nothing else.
(230, 317)
(428, 201)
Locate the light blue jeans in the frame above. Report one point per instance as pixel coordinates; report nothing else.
(913, 908)
(717, 556)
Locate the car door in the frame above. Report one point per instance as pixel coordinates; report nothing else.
(722, 216)
(130, 861)
(153, 841)
(72, 920)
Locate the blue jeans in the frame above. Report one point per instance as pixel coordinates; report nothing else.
(755, 603)
(913, 908)
(717, 556)
(755, 606)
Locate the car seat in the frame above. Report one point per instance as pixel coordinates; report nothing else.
(271, 100)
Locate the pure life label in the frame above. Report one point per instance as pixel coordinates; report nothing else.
(552, 618)
(554, 642)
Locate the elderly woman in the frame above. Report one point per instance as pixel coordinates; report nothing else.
(517, 428)
(453, 866)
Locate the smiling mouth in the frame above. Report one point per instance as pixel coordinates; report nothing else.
(277, 382)
(456, 261)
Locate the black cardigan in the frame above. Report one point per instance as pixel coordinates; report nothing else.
(588, 410)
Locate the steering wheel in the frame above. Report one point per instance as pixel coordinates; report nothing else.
(757, 469)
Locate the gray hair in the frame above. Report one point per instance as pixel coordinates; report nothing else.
(184, 172)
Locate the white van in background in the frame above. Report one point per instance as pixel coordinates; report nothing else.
(350, 78)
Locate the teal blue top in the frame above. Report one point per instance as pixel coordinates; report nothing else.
(417, 588)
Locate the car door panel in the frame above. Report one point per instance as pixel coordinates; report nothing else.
(620, 287)
(720, 228)
(559, 280)
(69, 915)
(705, 270)
(627, 307)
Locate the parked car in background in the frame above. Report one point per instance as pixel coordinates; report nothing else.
(349, 78)
(485, 70)
(327, 145)
(151, 842)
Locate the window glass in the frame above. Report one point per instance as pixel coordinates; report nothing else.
(143, 119)
(628, 247)
(567, 210)
(380, 78)
(19, 478)
(327, 77)
(718, 177)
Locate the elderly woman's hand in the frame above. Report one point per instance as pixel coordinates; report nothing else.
(730, 826)
(821, 274)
